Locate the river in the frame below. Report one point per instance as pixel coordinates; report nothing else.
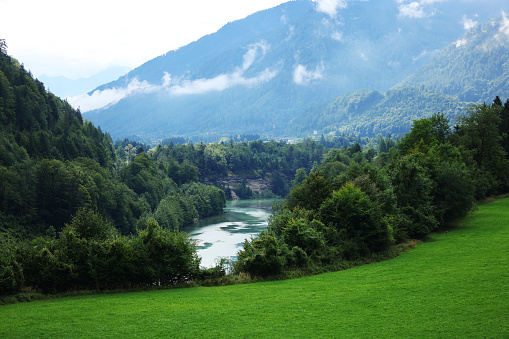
(222, 236)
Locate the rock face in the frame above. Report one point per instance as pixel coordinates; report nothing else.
(258, 185)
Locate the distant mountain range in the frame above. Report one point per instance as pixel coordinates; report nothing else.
(288, 65)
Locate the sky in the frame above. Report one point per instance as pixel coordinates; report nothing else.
(77, 38)
(80, 38)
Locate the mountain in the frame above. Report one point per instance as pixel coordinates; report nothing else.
(65, 87)
(370, 112)
(279, 64)
(474, 68)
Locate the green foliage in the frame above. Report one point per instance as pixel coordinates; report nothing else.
(425, 133)
(300, 175)
(360, 208)
(479, 133)
(359, 220)
(11, 272)
(87, 255)
(90, 225)
(263, 256)
(310, 193)
(413, 189)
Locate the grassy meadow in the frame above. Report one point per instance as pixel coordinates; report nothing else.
(454, 286)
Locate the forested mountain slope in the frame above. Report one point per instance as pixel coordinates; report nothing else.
(368, 113)
(278, 64)
(53, 164)
(475, 68)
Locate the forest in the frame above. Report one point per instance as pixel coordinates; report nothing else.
(78, 212)
(346, 213)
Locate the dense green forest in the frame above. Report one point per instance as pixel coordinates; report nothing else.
(52, 163)
(68, 202)
(369, 113)
(345, 212)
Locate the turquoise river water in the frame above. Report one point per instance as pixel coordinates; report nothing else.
(222, 236)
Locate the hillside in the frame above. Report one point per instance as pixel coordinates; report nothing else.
(53, 164)
(474, 68)
(368, 113)
(275, 65)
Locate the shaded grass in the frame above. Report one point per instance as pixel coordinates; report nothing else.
(456, 285)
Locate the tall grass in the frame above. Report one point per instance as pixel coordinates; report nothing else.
(454, 286)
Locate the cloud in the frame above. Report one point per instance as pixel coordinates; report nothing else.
(330, 7)
(411, 10)
(468, 24)
(338, 36)
(301, 76)
(178, 86)
(110, 96)
(416, 9)
(225, 81)
(220, 83)
(461, 42)
(504, 25)
(425, 54)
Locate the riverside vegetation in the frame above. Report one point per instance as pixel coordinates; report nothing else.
(454, 286)
(78, 214)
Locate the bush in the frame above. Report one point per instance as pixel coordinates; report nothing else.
(262, 256)
(359, 220)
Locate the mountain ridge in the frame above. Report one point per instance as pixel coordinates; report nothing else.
(303, 59)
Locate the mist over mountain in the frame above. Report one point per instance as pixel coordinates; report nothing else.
(65, 87)
(474, 68)
(285, 65)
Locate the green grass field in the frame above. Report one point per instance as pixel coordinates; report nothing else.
(456, 285)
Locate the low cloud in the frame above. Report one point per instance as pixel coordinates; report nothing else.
(110, 96)
(416, 9)
(468, 23)
(219, 83)
(504, 25)
(301, 76)
(338, 36)
(179, 86)
(330, 7)
(426, 54)
(461, 42)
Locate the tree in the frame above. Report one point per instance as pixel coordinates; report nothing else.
(478, 132)
(426, 133)
(311, 192)
(359, 219)
(300, 175)
(413, 189)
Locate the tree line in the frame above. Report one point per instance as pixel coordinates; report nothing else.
(345, 211)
